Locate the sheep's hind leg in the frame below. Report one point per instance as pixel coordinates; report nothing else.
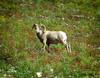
(48, 48)
(69, 47)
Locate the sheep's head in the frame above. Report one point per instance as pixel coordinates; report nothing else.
(39, 28)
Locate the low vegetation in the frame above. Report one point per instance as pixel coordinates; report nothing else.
(20, 49)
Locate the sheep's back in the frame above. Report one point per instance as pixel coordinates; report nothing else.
(54, 37)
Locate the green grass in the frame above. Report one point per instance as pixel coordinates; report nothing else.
(20, 49)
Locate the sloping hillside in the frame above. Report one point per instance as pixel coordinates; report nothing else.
(20, 49)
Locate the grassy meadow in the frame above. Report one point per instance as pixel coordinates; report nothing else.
(20, 49)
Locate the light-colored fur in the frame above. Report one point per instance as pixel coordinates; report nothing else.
(51, 37)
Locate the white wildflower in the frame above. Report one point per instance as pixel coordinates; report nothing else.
(55, 77)
(74, 70)
(98, 48)
(66, 23)
(70, 76)
(63, 18)
(32, 77)
(51, 70)
(39, 74)
(4, 75)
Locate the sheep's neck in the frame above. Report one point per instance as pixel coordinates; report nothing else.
(39, 36)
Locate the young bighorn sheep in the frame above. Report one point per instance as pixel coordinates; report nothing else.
(51, 37)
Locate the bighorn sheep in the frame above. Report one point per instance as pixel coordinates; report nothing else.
(51, 37)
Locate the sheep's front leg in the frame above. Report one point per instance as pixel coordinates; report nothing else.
(44, 46)
(44, 43)
(48, 48)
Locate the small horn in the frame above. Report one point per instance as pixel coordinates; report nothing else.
(34, 26)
